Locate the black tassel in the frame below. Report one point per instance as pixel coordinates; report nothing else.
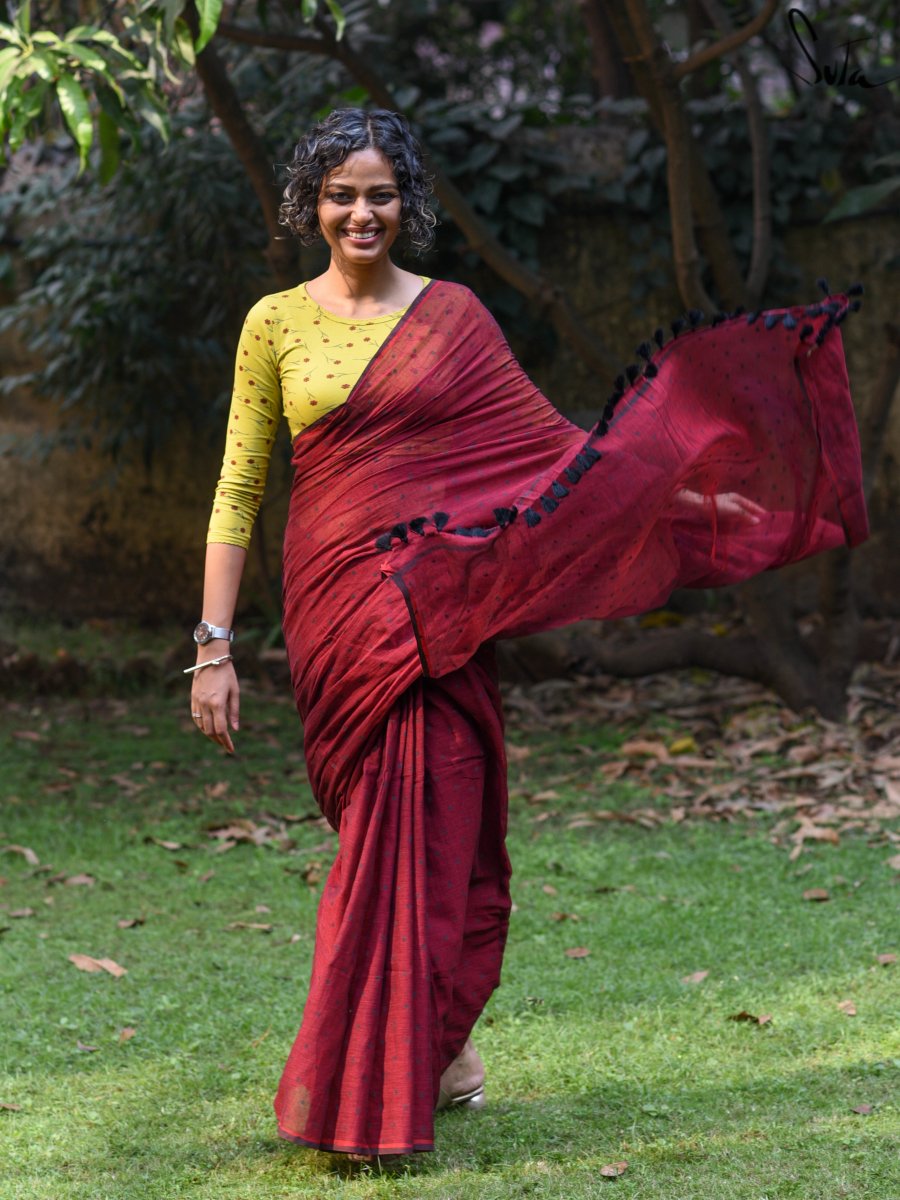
(644, 350)
(582, 460)
(651, 370)
(608, 413)
(855, 305)
(840, 317)
(823, 332)
(855, 289)
(771, 320)
(614, 399)
(505, 516)
(602, 428)
(572, 474)
(677, 326)
(440, 520)
(548, 504)
(559, 490)
(399, 531)
(659, 337)
(813, 310)
(632, 371)
(417, 525)
(753, 316)
(831, 307)
(789, 321)
(591, 455)
(383, 542)
(805, 331)
(823, 284)
(695, 316)
(621, 383)
(739, 311)
(719, 318)
(532, 518)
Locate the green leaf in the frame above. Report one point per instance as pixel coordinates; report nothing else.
(184, 43)
(862, 199)
(31, 103)
(109, 146)
(340, 17)
(23, 17)
(9, 33)
(209, 12)
(40, 63)
(308, 9)
(144, 105)
(74, 105)
(9, 60)
(89, 58)
(45, 38)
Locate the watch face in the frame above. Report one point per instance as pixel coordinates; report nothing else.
(202, 633)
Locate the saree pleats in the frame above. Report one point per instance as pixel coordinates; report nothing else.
(411, 925)
(447, 504)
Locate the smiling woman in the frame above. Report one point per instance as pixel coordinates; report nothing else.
(405, 402)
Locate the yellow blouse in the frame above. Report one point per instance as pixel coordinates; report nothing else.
(293, 359)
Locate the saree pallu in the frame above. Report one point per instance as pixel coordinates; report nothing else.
(447, 504)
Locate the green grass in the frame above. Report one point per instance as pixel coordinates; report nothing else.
(590, 1060)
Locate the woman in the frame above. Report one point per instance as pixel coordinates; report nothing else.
(406, 406)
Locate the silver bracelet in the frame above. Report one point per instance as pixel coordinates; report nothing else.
(213, 662)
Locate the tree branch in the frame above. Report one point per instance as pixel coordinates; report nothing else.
(688, 266)
(759, 150)
(726, 44)
(226, 104)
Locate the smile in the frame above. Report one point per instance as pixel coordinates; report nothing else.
(364, 235)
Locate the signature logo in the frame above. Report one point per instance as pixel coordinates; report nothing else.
(838, 74)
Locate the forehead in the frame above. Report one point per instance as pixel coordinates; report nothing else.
(363, 168)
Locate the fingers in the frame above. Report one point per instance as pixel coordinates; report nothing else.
(214, 705)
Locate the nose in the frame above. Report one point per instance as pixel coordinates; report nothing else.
(362, 210)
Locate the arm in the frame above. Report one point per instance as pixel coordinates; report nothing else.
(215, 693)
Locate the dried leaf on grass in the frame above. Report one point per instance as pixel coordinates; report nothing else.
(166, 844)
(862, 1109)
(743, 1015)
(81, 880)
(564, 916)
(27, 853)
(11, 1107)
(848, 1007)
(84, 962)
(79, 1045)
(130, 922)
(614, 1170)
(21, 912)
(696, 977)
(126, 1033)
(885, 960)
(816, 894)
(577, 952)
(250, 925)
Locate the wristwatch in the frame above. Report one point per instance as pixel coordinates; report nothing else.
(204, 632)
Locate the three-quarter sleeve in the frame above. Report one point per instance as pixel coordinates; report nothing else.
(256, 409)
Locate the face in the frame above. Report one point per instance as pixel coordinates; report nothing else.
(360, 208)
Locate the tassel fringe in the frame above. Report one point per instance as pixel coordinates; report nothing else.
(836, 310)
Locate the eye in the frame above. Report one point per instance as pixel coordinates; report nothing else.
(337, 197)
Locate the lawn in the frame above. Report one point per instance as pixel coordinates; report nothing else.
(200, 876)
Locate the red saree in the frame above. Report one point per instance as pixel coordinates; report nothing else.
(447, 504)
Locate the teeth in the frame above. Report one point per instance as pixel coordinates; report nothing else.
(362, 237)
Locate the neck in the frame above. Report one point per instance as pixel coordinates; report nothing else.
(361, 282)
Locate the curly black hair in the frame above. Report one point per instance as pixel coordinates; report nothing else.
(329, 143)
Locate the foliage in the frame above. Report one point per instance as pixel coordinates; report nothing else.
(107, 79)
(129, 328)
